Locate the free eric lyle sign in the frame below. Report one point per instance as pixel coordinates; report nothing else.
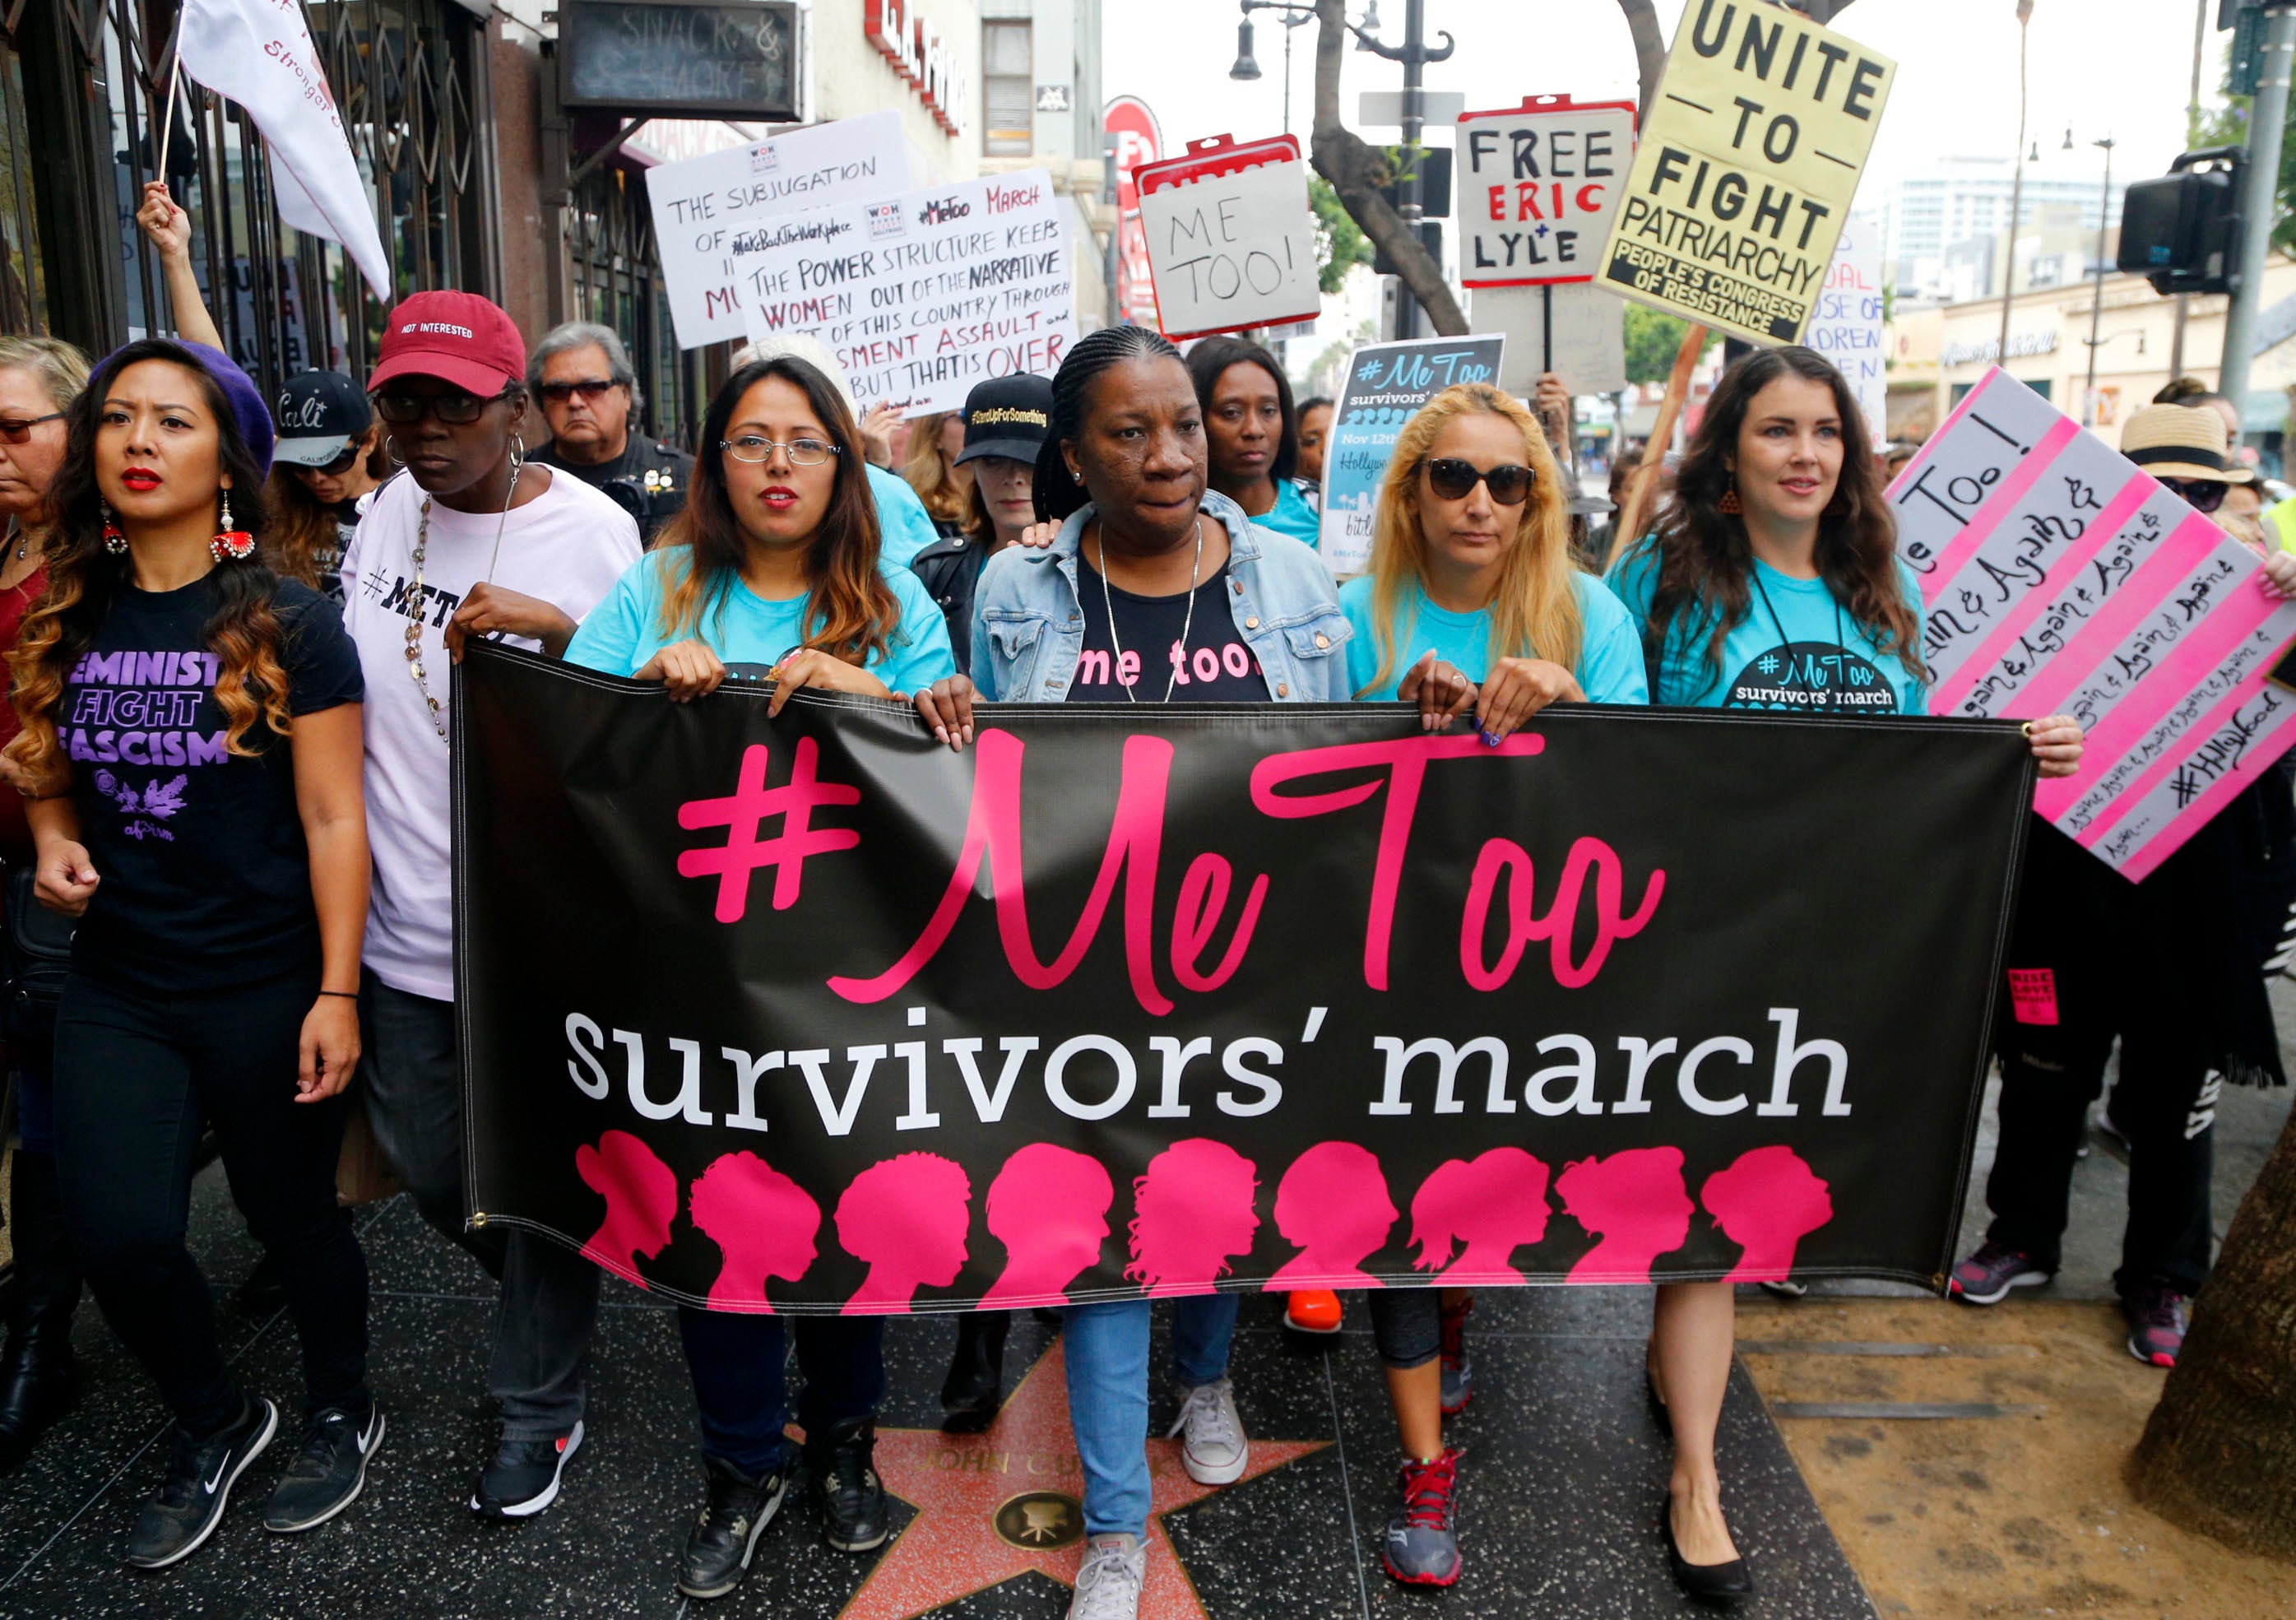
(919, 54)
(1539, 184)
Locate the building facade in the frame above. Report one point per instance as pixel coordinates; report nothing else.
(1963, 201)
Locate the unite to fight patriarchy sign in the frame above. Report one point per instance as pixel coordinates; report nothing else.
(1746, 170)
(813, 1014)
(2059, 577)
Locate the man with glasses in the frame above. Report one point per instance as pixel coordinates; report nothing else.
(582, 374)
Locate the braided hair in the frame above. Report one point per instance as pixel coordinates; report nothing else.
(1058, 493)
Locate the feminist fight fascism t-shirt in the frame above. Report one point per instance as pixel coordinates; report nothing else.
(204, 877)
(1216, 666)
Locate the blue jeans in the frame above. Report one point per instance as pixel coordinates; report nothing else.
(739, 1382)
(1107, 1349)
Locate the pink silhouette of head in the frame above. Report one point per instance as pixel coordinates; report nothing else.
(764, 1222)
(1048, 1206)
(1767, 1202)
(641, 1195)
(1334, 1203)
(907, 1216)
(1490, 1206)
(1191, 1212)
(1635, 1203)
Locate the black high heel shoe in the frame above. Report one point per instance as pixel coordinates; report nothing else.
(1727, 1585)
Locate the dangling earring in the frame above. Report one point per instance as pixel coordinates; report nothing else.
(1729, 502)
(114, 542)
(230, 545)
(390, 450)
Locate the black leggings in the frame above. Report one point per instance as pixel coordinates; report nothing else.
(136, 1076)
(1406, 1325)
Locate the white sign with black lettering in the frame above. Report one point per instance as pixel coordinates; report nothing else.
(1537, 188)
(1229, 246)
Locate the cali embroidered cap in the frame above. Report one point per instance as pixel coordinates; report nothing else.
(457, 337)
(318, 415)
(1007, 416)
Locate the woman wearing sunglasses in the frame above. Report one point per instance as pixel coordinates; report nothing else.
(1772, 582)
(472, 542)
(775, 564)
(327, 467)
(1471, 571)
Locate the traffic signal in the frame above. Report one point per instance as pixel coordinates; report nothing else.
(2182, 231)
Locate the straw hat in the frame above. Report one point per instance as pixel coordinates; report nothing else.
(2178, 441)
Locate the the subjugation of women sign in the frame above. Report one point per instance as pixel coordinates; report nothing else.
(813, 1014)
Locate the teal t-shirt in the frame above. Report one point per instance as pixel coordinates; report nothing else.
(1797, 649)
(1291, 514)
(624, 631)
(1610, 665)
(904, 525)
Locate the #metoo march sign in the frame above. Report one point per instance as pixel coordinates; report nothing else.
(2059, 577)
(811, 1015)
(1386, 384)
(921, 295)
(1231, 238)
(1746, 170)
(696, 204)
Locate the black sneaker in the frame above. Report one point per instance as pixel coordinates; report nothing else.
(189, 1503)
(328, 1472)
(716, 1551)
(523, 1477)
(845, 1486)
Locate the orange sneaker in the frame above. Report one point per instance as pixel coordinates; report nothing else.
(1313, 1311)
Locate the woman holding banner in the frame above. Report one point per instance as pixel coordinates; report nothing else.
(774, 563)
(1471, 571)
(1251, 436)
(1772, 582)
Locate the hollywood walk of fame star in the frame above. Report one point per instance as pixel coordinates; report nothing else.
(956, 1483)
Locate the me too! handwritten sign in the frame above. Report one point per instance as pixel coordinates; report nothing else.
(1231, 238)
(2060, 579)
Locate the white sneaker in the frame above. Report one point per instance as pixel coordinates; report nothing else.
(1215, 1451)
(1108, 1585)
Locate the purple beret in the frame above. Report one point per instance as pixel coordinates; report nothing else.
(244, 400)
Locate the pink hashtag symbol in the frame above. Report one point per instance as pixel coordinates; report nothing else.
(744, 852)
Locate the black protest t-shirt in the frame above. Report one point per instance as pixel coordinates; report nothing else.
(1216, 665)
(204, 877)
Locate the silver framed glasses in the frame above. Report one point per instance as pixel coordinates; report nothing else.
(802, 452)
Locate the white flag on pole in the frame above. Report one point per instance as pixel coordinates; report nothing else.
(259, 53)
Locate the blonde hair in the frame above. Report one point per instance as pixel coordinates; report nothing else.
(60, 368)
(1534, 608)
(945, 488)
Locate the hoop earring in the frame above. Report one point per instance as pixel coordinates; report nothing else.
(1729, 502)
(230, 545)
(114, 542)
(391, 451)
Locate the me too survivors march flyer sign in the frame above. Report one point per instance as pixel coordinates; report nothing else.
(1746, 170)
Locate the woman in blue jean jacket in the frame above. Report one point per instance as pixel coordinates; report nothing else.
(1155, 590)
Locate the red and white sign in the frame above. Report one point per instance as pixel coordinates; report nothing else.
(1138, 142)
(919, 54)
(1537, 185)
(2059, 577)
(1231, 238)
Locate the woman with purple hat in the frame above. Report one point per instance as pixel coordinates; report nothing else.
(190, 744)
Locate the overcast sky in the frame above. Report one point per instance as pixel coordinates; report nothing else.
(2121, 68)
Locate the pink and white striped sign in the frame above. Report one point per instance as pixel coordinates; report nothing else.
(2058, 577)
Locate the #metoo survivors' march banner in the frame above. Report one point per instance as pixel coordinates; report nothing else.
(815, 1016)
(922, 295)
(1385, 386)
(2060, 579)
(1746, 170)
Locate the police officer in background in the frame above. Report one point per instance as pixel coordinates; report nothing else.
(581, 373)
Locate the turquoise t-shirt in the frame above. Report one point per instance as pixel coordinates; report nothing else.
(1796, 649)
(624, 631)
(1291, 514)
(1610, 665)
(905, 528)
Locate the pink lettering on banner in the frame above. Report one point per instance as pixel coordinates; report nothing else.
(2033, 995)
(742, 815)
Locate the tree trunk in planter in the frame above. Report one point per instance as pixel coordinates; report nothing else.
(2219, 1454)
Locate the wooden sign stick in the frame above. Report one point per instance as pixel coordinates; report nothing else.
(1677, 389)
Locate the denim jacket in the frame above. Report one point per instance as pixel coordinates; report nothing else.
(1028, 629)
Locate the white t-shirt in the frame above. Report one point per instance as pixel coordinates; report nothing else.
(568, 546)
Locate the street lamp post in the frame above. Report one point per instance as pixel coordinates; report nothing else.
(2016, 182)
(2096, 303)
(1414, 55)
(1246, 69)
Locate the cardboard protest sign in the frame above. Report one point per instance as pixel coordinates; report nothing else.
(1847, 328)
(697, 203)
(1231, 238)
(1537, 188)
(1577, 331)
(2058, 577)
(921, 295)
(1386, 383)
(1746, 170)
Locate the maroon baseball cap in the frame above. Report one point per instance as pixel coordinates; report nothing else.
(457, 337)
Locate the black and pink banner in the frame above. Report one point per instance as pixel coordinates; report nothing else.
(811, 1015)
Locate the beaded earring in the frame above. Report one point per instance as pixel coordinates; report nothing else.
(230, 545)
(114, 542)
(1729, 501)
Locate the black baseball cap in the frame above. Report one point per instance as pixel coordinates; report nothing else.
(1010, 416)
(319, 413)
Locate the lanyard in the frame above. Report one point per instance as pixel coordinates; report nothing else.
(1840, 640)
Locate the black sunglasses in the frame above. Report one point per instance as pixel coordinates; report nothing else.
(2201, 494)
(1453, 479)
(589, 388)
(19, 430)
(343, 463)
(456, 410)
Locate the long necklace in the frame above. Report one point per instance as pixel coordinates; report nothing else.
(1785, 639)
(1187, 623)
(415, 625)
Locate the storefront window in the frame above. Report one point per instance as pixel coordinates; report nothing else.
(1008, 104)
(618, 284)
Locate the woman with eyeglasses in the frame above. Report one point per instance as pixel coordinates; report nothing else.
(472, 541)
(775, 566)
(1471, 569)
(39, 379)
(1772, 580)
